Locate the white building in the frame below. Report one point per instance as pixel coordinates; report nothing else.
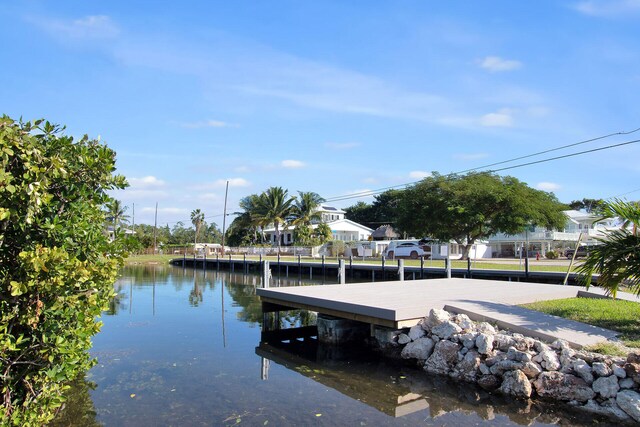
(341, 228)
(540, 240)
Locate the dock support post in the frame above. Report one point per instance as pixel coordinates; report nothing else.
(278, 262)
(299, 268)
(383, 274)
(266, 274)
(351, 265)
(469, 267)
(526, 266)
(217, 262)
(401, 270)
(341, 272)
(204, 262)
(232, 266)
(422, 267)
(244, 263)
(184, 259)
(324, 272)
(447, 266)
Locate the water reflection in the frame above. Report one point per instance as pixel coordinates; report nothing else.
(183, 347)
(399, 391)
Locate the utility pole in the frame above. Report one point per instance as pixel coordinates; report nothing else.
(224, 216)
(155, 230)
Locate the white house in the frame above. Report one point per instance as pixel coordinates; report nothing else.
(539, 239)
(341, 228)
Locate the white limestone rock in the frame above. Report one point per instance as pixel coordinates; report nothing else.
(517, 355)
(531, 370)
(626, 383)
(419, 349)
(484, 342)
(446, 329)
(467, 369)
(468, 340)
(557, 385)
(503, 342)
(608, 408)
(601, 369)
(416, 332)
(629, 402)
(606, 386)
(619, 371)
(436, 317)
(485, 328)
(403, 339)
(464, 322)
(503, 366)
(550, 360)
(443, 358)
(583, 370)
(515, 383)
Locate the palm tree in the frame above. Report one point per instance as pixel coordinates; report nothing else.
(197, 219)
(116, 213)
(617, 258)
(305, 211)
(274, 206)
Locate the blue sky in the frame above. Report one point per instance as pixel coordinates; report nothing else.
(331, 97)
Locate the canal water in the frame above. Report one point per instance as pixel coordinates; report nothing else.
(183, 348)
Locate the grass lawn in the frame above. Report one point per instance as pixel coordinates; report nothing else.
(148, 259)
(617, 315)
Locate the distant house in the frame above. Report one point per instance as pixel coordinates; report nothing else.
(341, 228)
(539, 239)
(207, 249)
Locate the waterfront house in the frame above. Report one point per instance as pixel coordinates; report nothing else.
(341, 228)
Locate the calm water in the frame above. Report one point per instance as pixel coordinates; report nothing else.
(182, 347)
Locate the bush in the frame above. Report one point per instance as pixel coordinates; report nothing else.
(551, 255)
(337, 248)
(57, 265)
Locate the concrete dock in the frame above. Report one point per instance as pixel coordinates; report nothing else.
(402, 304)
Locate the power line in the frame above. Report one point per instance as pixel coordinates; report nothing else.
(381, 190)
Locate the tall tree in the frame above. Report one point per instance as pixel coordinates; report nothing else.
(595, 206)
(383, 210)
(465, 208)
(274, 206)
(197, 219)
(116, 213)
(617, 258)
(305, 209)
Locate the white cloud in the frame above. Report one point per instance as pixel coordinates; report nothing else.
(341, 145)
(292, 164)
(207, 124)
(89, 27)
(548, 186)
(497, 64)
(501, 118)
(146, 182)
(608, 8)
(209, 196)
(419, 174)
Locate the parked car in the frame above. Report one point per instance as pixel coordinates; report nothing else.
(582, 251)
(412, 249)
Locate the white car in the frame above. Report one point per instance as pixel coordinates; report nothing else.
(397, 249)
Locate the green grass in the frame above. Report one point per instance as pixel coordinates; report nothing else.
(148, 259)
(618, 315)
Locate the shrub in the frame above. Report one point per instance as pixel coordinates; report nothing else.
(551, 255)
(57, 265)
